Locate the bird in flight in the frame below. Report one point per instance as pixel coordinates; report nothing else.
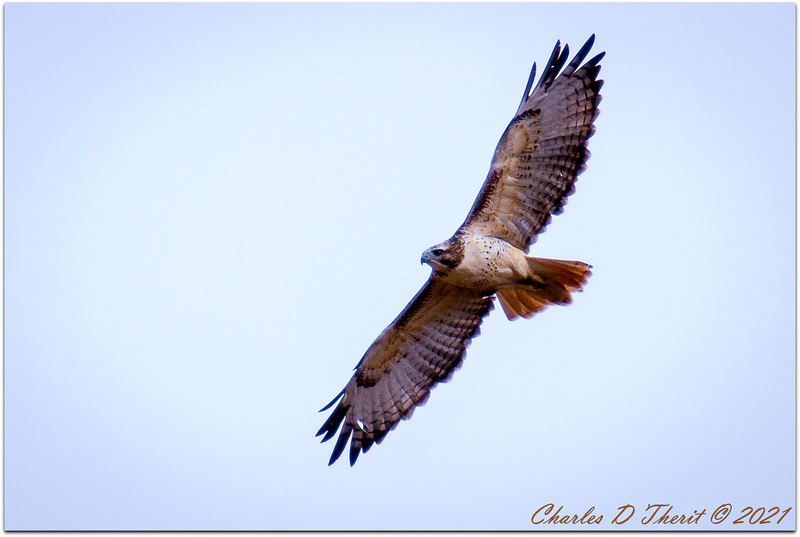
(533, 170)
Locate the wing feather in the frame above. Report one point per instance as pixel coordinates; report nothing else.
(421, 348)
(541, 152)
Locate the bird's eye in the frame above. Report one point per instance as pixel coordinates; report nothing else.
(437, 252)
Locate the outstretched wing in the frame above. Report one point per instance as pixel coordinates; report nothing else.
(421, 348)
(541, 152)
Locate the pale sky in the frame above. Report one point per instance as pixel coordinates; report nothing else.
(212, 210)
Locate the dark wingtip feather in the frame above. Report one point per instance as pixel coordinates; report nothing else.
(555, 53)
(331, 425)
(367, 443)
(326, 407)
(580, 56)
(550, 62)
(584, 50)
(554, 65)
(528, 86)
(341, 442)
(379, 434)
(355, 449)
(596, 59)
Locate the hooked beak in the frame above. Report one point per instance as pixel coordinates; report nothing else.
(424, 258)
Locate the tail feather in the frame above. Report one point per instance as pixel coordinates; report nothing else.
(551, 281)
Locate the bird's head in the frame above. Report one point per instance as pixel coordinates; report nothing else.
(445, 256)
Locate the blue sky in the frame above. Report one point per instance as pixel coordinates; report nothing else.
(212, 210)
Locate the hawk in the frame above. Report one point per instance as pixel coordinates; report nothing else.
(532, 173)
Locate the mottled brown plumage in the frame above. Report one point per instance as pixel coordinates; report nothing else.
(533, 171)
(541, 152)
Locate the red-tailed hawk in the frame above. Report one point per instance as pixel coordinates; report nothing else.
(533, 170)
